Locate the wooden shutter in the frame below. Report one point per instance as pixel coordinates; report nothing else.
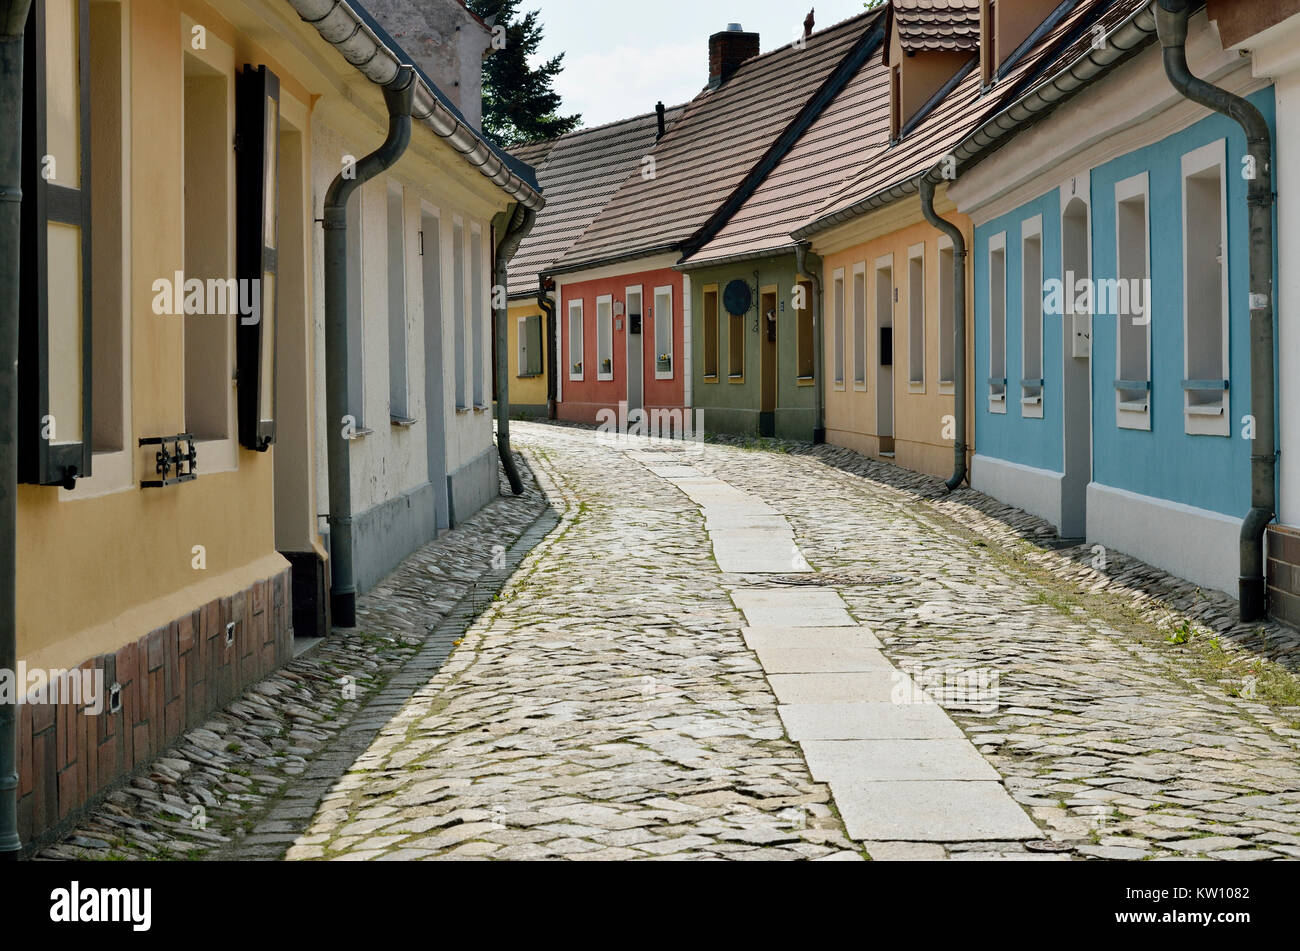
(54, 362)
(257, 103)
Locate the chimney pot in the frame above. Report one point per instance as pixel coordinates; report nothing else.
(728, 50)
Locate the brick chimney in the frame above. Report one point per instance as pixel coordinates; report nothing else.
(727, 50)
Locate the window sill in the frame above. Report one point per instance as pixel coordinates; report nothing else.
(947, 388)
(529, 376)
(998, 404)
(576, 379)
(663, 376)
(1207, 419)
(859, 386)
(710, 379)
(914, 387)
(805, 381)
(604, 378)
(1133, 415)
(839, 386)
(112, 476)
(462, 410)
(479, 408)
(736, 378)
(357, 434)
(402, 422)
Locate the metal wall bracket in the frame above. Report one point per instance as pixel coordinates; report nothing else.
(174, 464)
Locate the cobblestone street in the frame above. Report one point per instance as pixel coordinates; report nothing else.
(624, 697)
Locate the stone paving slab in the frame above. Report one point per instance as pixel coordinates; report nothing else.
(869, 687)
(822, 660)
(758, 551)
(792, 607)
(830, 638)
(867, 721)
(941, 811)
(872, 761)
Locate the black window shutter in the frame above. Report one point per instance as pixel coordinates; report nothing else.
(257, 250)
(54, 357)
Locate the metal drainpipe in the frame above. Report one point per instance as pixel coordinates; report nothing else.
(13, 22)
(544, 287)
(803, 257)
(1171, 22)
(959, 329)
(521, 222)
(399, 96)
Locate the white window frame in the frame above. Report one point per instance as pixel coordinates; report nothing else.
(915, 253)
(838, 298)
(861, 320)
(1132, 414)
(998, 401)
(1207, 418)
(577, 334)
(605, 320)
(659, 294)
(944, 277)
(1031, 404)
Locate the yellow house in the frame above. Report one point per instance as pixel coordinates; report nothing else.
(892, 357)
(172, 430)
(889, 336)
(527, 330)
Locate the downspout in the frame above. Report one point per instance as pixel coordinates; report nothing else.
(13, 22)
(544, 287)
(521, 222)
(958, 330)
(399, 95)
(803, 258)
(1171, 22)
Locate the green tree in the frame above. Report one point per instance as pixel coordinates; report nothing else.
(519, 103)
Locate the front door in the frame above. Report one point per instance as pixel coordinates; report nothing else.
(767, 326)
(635, 352)
(1077, 367)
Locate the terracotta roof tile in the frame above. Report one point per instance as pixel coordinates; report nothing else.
(714, 147)
(952, 25)
(826, 156)
(580, 173)
(967, 107)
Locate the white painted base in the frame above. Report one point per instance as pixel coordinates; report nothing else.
(1036, 491)
(1192, 543)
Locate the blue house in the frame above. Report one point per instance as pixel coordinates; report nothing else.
(1112, 384)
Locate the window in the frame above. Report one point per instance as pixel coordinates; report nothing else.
(860, 325)
(838, 303)
(356, 309)
(398, 388)
(998, 323)
(530, 346)
(1031, 317)
(458, 297)
(947, 317)
(478, 315)
(988, 42)
(1125, 300)
(807, 367)
(575, 340)
(711, 334)
(736, 348)
(55, 387)
(605, 337)
(895, 101)
(916, 319)
(1205, 291)
(110, 333)
(207, 157)
(663, 333)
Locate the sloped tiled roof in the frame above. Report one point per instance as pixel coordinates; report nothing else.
(965, 109)
(579, 172)
(950, 25)
(827, 155)
(709, 153)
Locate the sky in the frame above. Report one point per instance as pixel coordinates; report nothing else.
(623, 56)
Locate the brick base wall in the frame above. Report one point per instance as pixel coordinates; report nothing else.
(1284, 574)
(171, 680)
